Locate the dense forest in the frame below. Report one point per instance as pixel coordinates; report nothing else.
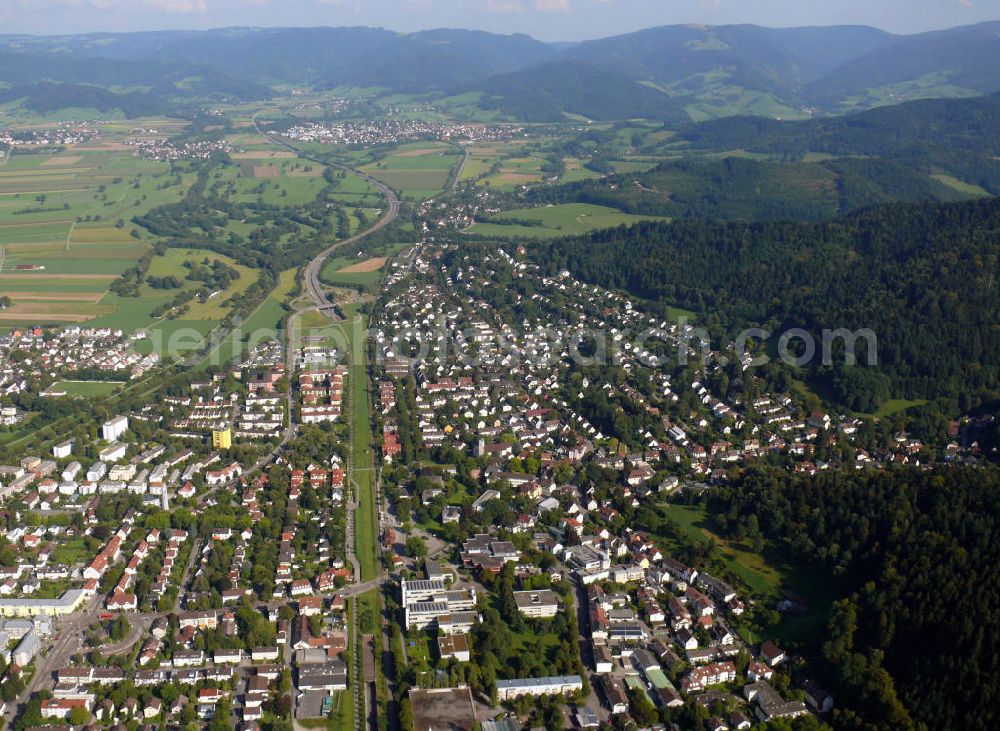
(915, 642)
(922, 277)
(956, 136)
(744, 189)
(546, 93)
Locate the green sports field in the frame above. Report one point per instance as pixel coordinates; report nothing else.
(92, 389)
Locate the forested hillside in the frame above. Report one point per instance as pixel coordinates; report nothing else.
(914, 643)
(960, 137)
(545, 93)
(672, 73)
(742, 189)
(923, 277)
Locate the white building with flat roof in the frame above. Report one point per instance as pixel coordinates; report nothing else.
(63, 449)
(538, 604)
(507, 689)
(112, 429)
(70, 601)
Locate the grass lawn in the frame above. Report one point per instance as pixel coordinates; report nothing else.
(177, 337)
(130, 313)
(71, 552)
(52, 589)
(271, 311)
(279, 191)
(562, 220)
(633, 682)
(418, 648)
(342, 716)
(357, 413)
(313, 320)
(675, 313)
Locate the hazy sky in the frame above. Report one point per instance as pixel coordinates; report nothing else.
(545, 19)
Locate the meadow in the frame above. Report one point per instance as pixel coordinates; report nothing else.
(771, 573)
(560, 220)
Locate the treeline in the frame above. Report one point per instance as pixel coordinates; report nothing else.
(127, 285)
(922, 277)
(915, 640)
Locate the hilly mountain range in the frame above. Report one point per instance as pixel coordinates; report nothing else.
(755, 169)
(672, 73)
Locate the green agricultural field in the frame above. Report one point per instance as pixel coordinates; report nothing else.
(575, 171)
(418, 170)
(58, 258)
(482, 158)
(13, 233)
(67, 215)
(13, 283)
(333, 273)
(414, 184)
(420, 156)
(562, 220)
